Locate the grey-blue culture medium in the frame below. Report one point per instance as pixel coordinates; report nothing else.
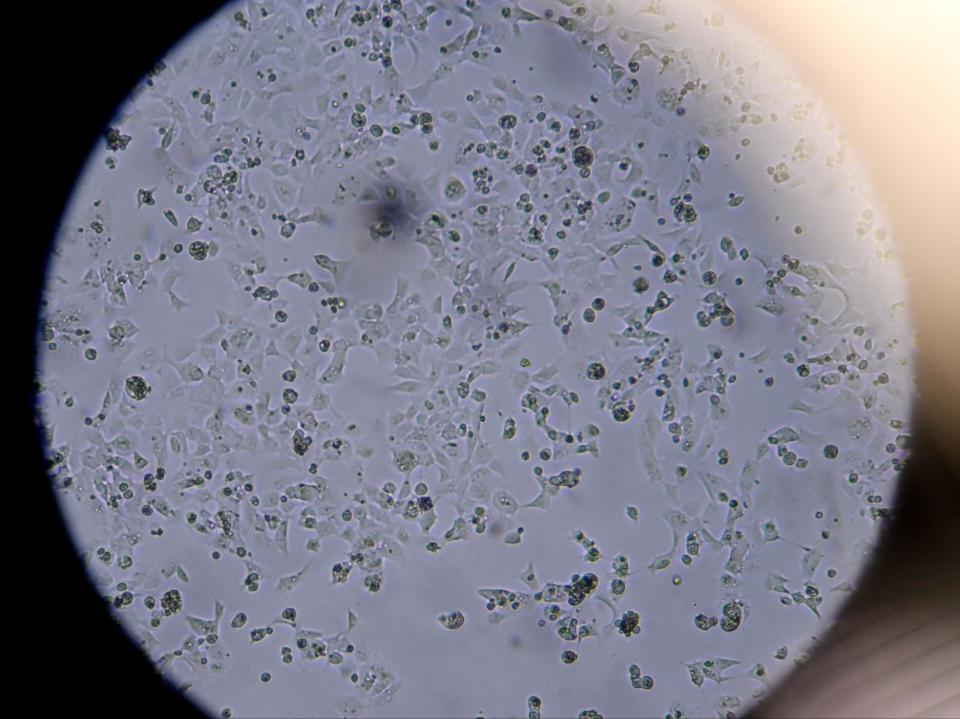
(474, 359)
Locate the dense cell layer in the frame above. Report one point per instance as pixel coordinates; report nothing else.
(474, 358)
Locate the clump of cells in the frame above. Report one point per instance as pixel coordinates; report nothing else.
(383, 340)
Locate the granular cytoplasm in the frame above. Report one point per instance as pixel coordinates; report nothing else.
(460, 358)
